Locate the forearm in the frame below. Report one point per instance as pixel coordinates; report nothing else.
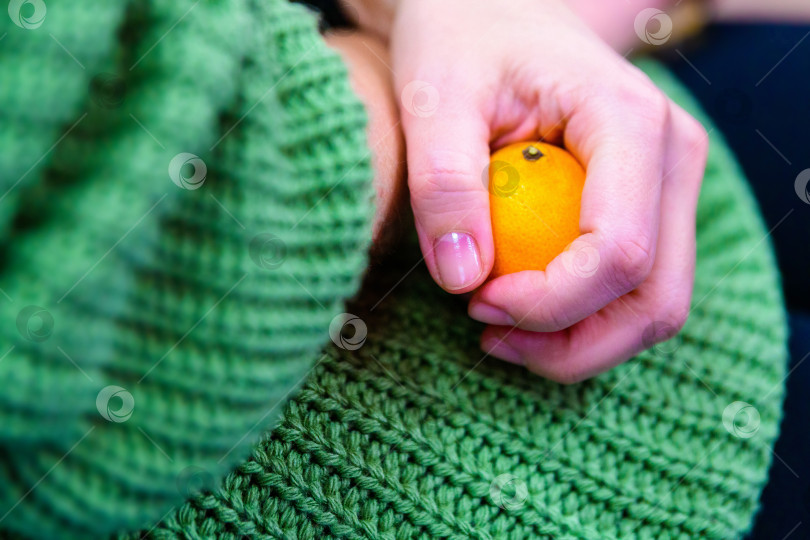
(367, 60)
(615, 21)
(774, 10)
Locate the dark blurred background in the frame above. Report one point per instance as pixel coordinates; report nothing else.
(754, 81)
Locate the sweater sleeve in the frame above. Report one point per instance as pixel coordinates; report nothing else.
(48, 71)
(177, 257)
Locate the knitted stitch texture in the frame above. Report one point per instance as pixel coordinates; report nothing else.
(152, 332)
(413, 434)
(208, 307)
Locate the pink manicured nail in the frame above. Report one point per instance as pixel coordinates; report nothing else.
(495, 347)
(481, 311)
(457, 260)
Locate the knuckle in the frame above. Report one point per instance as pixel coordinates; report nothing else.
(632, 263)
(654, 99)
(640, 103)
(696, 136)
(429, 185)
(653, 106)
(547, 320)
(440, 173)
(536, 307)
(651, 102)
(556, 320)
(634, 102)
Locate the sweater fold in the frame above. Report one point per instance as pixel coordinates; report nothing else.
(176, 260)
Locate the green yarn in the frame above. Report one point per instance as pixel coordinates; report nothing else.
(210, 307)
(43, 87)
(207, 306)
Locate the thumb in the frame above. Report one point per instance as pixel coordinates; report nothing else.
(447, 143)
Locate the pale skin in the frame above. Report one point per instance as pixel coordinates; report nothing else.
(513, 70)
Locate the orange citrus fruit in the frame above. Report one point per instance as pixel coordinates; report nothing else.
(535, 190)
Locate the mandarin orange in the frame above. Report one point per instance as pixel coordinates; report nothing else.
(535, 193)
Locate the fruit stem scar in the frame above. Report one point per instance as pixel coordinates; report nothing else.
(532, 153)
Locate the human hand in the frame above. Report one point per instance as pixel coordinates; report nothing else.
(473, 78)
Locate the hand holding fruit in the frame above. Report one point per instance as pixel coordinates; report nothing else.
(475, 78)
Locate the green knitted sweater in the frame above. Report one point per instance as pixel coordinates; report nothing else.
(185, 209)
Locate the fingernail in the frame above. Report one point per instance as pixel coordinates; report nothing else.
(495, 347)
(457, 260)
(481, 311)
